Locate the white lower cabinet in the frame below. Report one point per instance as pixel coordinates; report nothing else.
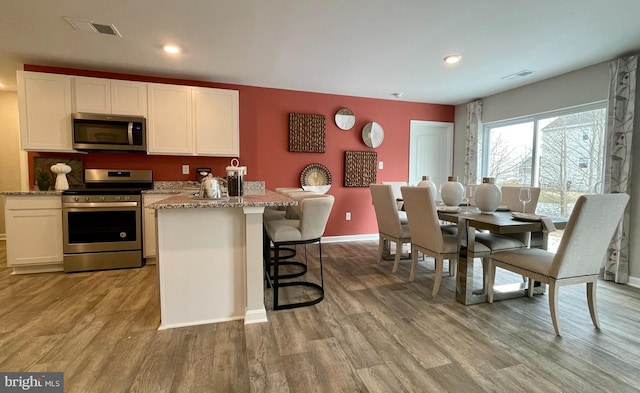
(149, 246)
(34, 233)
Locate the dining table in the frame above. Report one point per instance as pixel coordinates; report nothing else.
(469, 220)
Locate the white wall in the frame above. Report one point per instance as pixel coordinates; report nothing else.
(9, 148)
(584, 86)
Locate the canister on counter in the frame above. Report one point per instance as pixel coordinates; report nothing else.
(234, 178)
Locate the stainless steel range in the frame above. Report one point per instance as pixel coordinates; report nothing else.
(102, 222)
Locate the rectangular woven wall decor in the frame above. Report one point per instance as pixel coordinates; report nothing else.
(360, 168)
(306, 132)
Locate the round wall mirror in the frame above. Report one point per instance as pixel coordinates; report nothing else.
(345, 119)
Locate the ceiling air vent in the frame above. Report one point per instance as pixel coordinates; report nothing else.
(92, 27)
(519, 74)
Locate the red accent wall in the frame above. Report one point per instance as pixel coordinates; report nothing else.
(264, 143)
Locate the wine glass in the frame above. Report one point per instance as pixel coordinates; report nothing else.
(469, 190)
(525, 197)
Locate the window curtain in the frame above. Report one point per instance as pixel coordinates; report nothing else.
(619, 132)
(472, 146)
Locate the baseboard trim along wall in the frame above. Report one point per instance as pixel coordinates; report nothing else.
(634, 282)
(349, 238)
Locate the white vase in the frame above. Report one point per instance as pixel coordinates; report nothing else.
(426, 182)
(452, 192)
(61, 169)
(488, 196)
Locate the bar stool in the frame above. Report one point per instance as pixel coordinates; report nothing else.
(292, 213)
(308, 229)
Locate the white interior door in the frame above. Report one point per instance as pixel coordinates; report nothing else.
(430, 151)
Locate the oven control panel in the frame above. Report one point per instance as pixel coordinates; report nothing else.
(101, 198)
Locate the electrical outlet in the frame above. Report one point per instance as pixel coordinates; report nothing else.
(347, 216)
(185, 169)
(380, 165)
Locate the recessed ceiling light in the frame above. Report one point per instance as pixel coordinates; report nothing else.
(452, 59)
(171, 49)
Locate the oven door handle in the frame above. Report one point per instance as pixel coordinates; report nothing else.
(99, 204)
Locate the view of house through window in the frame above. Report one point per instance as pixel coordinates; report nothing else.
(560, 152)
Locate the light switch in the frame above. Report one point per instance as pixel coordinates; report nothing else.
(185, 169)
(380, 165)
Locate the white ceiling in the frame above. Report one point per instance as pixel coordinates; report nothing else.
(368, 48)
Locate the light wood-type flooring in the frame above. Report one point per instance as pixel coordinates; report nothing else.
(374, 332)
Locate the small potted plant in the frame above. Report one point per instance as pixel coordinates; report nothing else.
(43, 179)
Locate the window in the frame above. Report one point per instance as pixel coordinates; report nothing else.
(561, 152)
(583, 162)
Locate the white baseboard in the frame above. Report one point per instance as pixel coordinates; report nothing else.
(349, 238)
(634, 282)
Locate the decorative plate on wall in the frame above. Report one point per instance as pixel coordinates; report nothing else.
(315, 175)
(372, 134)
(345, 119)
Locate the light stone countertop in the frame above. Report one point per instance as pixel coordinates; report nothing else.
(267, 199)
(31, 193)
(178, 187)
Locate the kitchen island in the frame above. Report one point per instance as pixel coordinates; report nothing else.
(210, 258)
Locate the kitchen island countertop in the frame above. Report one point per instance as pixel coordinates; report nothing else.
(182, 201)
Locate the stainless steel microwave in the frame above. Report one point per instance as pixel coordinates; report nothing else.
(92, 131)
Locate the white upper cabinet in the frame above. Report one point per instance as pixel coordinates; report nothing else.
(44, 102)
(187, 120)
(216, 122)
(128, 98)
(181, 120)
(170, 120)
(110, 96)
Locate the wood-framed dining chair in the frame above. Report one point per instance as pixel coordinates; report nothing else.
(583, 247)
(426, 235)
(390, 227)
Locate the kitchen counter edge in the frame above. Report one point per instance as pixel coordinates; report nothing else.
(268, 199)
(31, 193)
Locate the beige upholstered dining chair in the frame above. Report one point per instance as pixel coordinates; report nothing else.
(308, 228)
(580, 254)
(426, 235)
(390, 227)
(511, 198)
